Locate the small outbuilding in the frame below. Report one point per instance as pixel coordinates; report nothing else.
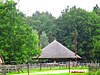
(56, 50)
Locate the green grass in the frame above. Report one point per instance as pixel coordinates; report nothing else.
(65, 74)
(48, 69)
(33, 70)
(53, 74)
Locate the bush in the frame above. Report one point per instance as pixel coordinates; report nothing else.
(93, 73)
(90, 73)
(98, 72)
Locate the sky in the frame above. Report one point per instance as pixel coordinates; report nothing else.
(55, 7)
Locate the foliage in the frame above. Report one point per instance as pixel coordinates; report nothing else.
(85, 23)
(18, 41)
(93, 73)
(96, 37)
(43, 22)
(97, 72)
(90, 73)
(96, 10)
(44, 40)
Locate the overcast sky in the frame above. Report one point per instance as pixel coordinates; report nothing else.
(54, 6)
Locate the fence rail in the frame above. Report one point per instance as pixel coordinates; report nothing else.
(94, 66)
(9, 68)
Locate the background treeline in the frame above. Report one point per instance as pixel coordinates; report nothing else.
(86, 24)
(19, 33)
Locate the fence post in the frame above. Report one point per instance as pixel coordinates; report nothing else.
(88, 67)
(28, 68)
(69, 66)
(0, 70)
(18, 68)
(4, 70)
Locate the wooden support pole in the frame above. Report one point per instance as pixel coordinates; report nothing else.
(50, 66)
(40, 65)
(75, 42)
(28, 68)
(4, 70)
(18, 68)
(69, 66)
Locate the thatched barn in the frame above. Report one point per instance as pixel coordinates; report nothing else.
(57, 51)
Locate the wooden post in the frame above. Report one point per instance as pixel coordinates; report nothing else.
(4, 70)
(66, 65)
(50, 66)
(18, 68)
(69, 66)
(75, 46)
(59, 65)
(28, 68)
(40, 65)
(39, 47)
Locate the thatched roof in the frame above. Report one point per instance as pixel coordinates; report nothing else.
(56, 50)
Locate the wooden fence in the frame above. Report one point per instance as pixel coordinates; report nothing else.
(37, 65)
(94, 66)
(9, 68)
(15, 67)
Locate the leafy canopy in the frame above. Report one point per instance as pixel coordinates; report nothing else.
(18, 41)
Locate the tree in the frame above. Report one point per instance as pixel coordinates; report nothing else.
(96, 48)
(84, 23)
(96, 41)
(96, 10)
(18, 40)
(44, 40)
(43, 22)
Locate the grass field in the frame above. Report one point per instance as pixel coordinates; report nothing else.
(55, 71)
(47, 71)
(51, 74)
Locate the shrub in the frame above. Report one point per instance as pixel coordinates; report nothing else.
(97, 72)
(90, 73)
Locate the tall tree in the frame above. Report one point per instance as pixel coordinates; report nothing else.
(43, 22)
(84, 23)
(18, 41)
(96, 40)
